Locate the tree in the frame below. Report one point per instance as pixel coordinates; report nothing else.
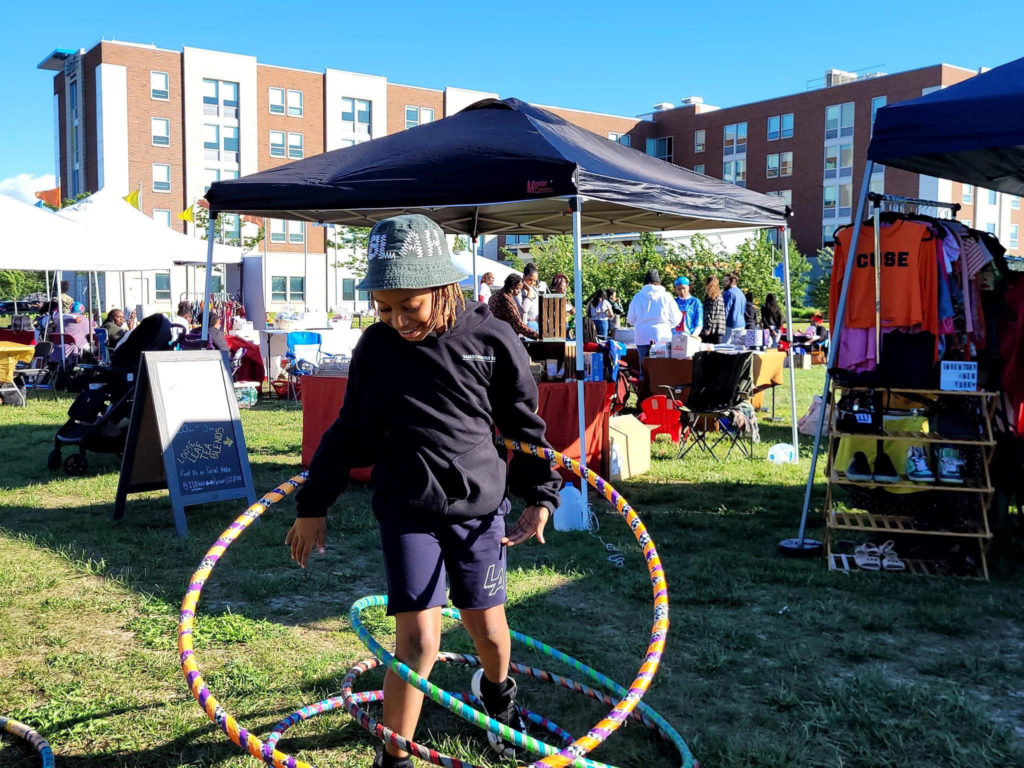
(350, 244)
(820, 286)
(15, 284)
(247, 242)
(460, 244)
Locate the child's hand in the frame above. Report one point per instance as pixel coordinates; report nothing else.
(305, 534)
(531, 523)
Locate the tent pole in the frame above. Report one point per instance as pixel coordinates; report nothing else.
(833, 349)
(209, 277)
(60, 321)
(577, 268)
(88, 312)
(789, 324)
(473, 241)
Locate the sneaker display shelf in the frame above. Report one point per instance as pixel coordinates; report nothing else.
(973, 533)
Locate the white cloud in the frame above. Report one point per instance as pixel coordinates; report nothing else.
(24, 186)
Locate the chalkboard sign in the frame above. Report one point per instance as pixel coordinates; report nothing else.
(185, 434)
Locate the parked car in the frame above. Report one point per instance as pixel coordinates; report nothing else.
(30, 305)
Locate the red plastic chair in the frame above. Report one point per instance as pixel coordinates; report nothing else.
(659, 413)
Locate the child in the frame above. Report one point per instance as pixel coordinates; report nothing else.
(428, 386)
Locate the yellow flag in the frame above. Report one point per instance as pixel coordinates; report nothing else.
(187, 215)
(132, 198)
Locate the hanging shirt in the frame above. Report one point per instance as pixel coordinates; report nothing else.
(908, 277)
(693, 315)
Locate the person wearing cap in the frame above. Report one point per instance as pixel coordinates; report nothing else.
(653, 313)
(429, 385)
(691, 307)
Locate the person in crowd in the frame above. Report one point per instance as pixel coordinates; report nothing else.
(771, 316)
(560, 284)
(483, 294)
(182, 317)
(66, 301)
(750, 312)
(653, 313)
(440, 498)
(217, 338)
(529, 303)
(44, 323)
(617, 308)
(599, 309)
(589, 334)
(714, 312)
(735, 306)
(691, 307)
(117, 326)
(504, 307)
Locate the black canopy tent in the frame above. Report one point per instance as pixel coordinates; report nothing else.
(971, 132)
(501, 167)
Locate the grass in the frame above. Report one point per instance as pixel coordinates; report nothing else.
(770, 662)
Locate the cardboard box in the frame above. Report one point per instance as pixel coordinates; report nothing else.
(684, 346)
(630, 446)
(661, 349)
(593, 366)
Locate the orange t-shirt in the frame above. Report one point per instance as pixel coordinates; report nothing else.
(909, 277)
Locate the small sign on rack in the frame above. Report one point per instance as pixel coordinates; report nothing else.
(958, 377)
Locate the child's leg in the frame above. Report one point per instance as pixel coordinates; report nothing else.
(418, 639)
(489, 630)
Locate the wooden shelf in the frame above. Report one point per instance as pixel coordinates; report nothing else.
(871, 523)
(969, 486)
(921, 437)
(915, 567)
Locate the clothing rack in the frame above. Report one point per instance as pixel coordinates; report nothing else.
(899, 203)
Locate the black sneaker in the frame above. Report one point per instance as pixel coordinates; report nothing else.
(499, 702)
(885, 472)
(385, 760)
(859, 468)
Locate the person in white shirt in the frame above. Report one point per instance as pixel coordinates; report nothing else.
(653, 313)
(483, 294)
(528, 299)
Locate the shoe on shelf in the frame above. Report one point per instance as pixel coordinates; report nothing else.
(951, 466)
(499, 702)
(884, 471)
(859, 468)
(385, 760)
(890, 560)
(918, 470)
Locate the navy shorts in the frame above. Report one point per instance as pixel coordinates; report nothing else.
(419, 554)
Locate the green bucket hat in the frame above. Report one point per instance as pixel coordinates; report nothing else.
(408, 251)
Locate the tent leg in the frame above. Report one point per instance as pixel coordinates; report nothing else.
(577, 267)
(476, 280)
(801, 544)
(60, 321)
(789, 324)
(209, 277)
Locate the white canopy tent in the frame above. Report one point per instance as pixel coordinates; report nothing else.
(480, 266)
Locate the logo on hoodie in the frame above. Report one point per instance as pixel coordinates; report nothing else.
(479, 359)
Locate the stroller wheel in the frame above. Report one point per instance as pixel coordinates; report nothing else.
(75, 464)
(53, 460)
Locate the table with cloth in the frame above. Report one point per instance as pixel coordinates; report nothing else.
(12, 353)
(767, 372)
(322, 397)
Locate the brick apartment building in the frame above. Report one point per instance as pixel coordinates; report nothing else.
(169, 123)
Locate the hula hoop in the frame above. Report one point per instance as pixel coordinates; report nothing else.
(551, 757)
(34, 738)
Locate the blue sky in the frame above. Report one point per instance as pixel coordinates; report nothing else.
(602, 56)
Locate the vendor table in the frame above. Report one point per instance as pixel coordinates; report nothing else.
(10, 355)
(18, 337)
(679, 373)
(322, 397)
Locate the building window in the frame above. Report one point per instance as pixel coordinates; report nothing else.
(990, 228)
(210, 175)
(161, 177)
(348, 289)
(828, 235)
(735, 139)
(877, 184)
(295, 145)
(660, 148)
(785, 194)
(1014, 202)
(296, 289)
(785, 164)
(229, 174)
(517, 239)
(787, 126)
(619, 138)
(876, 104)
(966, 223)
(230, 138)
(838, 161)
(845, 200)
(699, 169)
(211, 141)
(277, 101)
(162, 286)
(294, 103)
(829, 202)
(162, 215)
(160, 128)
(278, 233)
(159, 86)
(1014, 235)
(839, 120)
(356, 112)
(211, 97)
(418, 116)
(296, 232)
(229, 99)
(279, 289)
(347, 143)
(727, 171)
(967, 195)
(741, 172)
(698, 140)
(772, 166)
(992, 197)
(277, 144)
(220, 97)
(774, 125)
(230, 226)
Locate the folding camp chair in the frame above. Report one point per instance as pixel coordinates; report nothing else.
(302, 359)
(721, 381)
(40, 372)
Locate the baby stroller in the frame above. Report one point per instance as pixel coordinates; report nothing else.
(98, 418)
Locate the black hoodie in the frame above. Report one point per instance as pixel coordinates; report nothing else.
(425, 413)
